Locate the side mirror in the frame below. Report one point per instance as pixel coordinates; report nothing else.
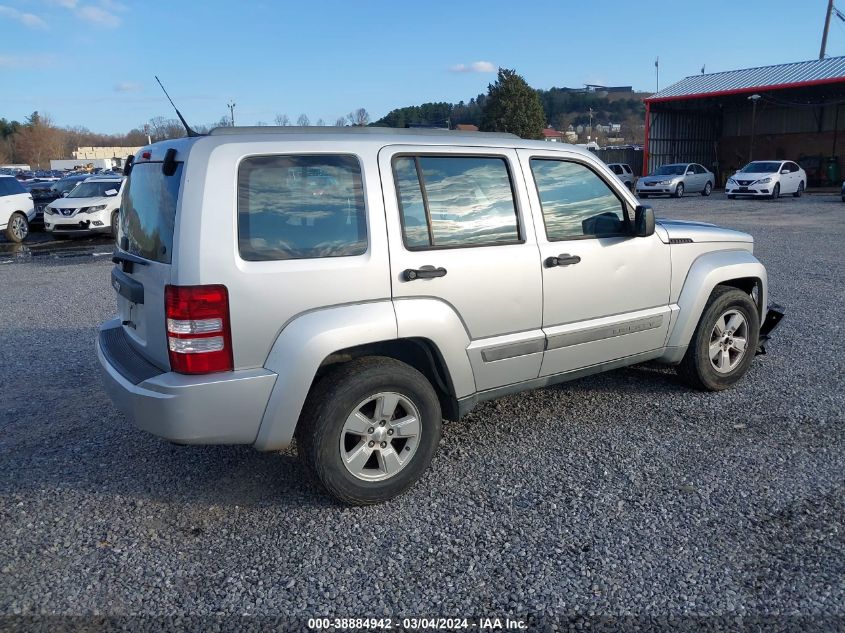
(691, 173)
(64, 194)
(784, 171)
(643, 221)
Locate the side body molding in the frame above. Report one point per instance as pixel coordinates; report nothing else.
(300, 348)
(706, 273)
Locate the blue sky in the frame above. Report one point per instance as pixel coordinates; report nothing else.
(91, 62)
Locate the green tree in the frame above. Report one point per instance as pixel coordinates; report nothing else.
(513, 106)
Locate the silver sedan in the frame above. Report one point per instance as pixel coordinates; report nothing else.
(675, 180)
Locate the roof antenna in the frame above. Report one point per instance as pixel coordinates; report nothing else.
(188, 129)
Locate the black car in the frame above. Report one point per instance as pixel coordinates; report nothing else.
(44, 192)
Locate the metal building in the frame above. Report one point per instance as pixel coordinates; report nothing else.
(723, 120)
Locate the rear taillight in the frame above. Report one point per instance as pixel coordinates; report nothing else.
(199, 337)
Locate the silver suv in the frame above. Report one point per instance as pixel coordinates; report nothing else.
(349, 288)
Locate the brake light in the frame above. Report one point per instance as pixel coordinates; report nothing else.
(199, 338)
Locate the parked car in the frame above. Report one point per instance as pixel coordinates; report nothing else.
(16, 209)
(45, 192)
(90, 207)
(676, 180)
(42, 195)
(624, 173)
(350, 288)
(767, 178)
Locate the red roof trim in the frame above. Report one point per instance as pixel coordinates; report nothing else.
(739, 91)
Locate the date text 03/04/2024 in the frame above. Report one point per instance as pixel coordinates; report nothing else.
(418, 623)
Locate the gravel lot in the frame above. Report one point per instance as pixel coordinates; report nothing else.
(623, 494)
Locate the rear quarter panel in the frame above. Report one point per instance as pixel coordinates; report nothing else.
(265, 296)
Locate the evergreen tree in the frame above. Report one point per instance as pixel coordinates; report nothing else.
(513, 106)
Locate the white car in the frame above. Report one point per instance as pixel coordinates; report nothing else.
(624, 173)
(16, 209)
(767, 178)
(93, 206)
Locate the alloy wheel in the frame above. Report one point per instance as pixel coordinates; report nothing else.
(19, 227)
(380, 436)
(728, 341)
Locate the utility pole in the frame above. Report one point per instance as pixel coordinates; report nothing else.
(231, 107)
(657, 73)
(826, 28)
(754, 99)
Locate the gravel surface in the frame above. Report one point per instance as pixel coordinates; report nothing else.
(623, 494)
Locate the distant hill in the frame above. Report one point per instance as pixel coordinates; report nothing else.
(563, 106)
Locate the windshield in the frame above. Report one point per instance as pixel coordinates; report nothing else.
(102, 188)
(761, 167)
(65, 184)
(670, 170)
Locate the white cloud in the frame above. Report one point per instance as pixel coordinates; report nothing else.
(128, 86)
(29, 20)
(474, 67)
(99, 17)
(26, 62)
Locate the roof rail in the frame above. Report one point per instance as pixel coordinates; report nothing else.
(328, 129)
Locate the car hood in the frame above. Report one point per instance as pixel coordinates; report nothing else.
(754, 175)
(698, 232)
(78, 203)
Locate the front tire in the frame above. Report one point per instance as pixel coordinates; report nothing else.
(708, 189)
(369, 429)
(776, 191)
(799, 191)
(115, 218)
(18, 228)
(724, 342)
(679, 190)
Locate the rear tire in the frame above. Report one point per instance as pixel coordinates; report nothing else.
(713, 360)
(358, 422)
(18, 228)
(708, 189)
(800, 190)
(776, 191)
(679, 190)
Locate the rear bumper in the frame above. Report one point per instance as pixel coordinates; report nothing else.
(222, 408)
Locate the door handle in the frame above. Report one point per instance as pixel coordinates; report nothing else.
(562, 260)
(426, 272)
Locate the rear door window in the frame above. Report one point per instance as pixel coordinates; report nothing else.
(300, 207)
(455, 201)
(148, 212)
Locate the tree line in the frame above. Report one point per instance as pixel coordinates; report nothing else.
(36, 139)
(558, 107)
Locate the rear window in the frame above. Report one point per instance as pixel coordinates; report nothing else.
(300, 207)
(148, 212)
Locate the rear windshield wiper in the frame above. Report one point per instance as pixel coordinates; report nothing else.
(126, 258)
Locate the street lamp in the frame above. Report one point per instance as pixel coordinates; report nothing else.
(231, 107)
(754, 99)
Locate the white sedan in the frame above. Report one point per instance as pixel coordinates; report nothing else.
(767, 178)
